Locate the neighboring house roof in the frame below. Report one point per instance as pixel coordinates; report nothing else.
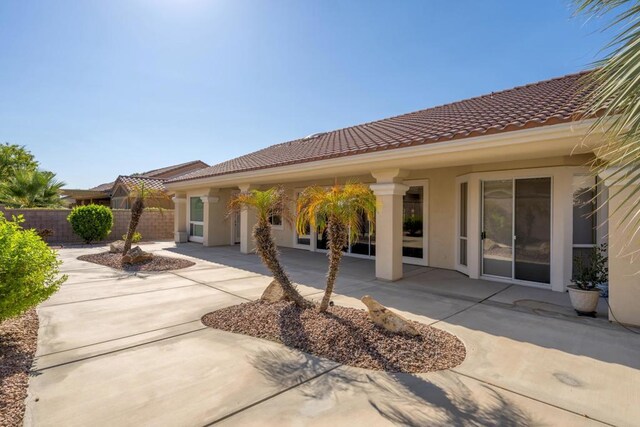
(85, 194)
(132, 182)
(106, 188)
(544, 103)
(166, 171)
(160, 175)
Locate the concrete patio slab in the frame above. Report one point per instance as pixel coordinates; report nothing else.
(354, 397)
(191, 379)
(520, 351)
(136, 353)
(98, 289)
(70, 326)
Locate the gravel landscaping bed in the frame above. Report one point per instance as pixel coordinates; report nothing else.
(157, 263)
(344, 335)
(18, 339)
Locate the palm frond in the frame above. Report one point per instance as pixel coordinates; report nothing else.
(615, 102)
(266, 203)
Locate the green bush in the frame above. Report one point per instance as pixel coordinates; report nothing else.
(135, 239)
(28, 269)
(91, 222)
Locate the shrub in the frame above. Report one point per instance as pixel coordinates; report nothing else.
(135, 239)
(28, 269)
(91, 222)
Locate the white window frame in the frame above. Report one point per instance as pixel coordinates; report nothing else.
(459, 181)
(196, 239)
(312, 234)
(276, 226)
(424, 261)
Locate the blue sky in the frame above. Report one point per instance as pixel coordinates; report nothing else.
(100, 88)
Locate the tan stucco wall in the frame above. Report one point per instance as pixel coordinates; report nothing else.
(624, 263)
(442, 194)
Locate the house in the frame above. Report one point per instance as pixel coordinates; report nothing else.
(492, 186)
(117, 194)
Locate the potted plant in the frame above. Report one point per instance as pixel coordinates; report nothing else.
(590, 275)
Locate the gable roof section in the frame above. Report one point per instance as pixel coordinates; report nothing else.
(548, 102)
(155, 173)
(130, 182)
(105, 188)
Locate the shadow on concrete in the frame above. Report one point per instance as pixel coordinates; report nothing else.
(424, 289)
(403, 399)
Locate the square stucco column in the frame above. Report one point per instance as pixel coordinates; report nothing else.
(247, 220)
(389, 229)
(180, 218)
(624, 257)
(215, 231)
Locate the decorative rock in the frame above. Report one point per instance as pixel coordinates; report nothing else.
(136, 256)
(116, 247)
(387, 319)
(274, 293)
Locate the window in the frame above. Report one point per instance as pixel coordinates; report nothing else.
(413, 223)
(584, 216)
(196, 219)
(275, 220)
(462, 237)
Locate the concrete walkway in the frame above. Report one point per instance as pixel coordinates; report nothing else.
(129, 349)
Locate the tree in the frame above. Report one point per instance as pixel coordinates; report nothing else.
(141, 194)
(27, 188)
(273, 201)
(14, 158)
(29, 272)
(341, 210)
(615, 101)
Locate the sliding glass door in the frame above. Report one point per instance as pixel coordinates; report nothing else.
(497, 234)
(516, 234)
(532, 248)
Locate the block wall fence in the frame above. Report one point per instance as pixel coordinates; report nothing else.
(154, 225)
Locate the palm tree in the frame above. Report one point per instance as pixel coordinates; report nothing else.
(340, 211)
(615, 101)
(267, 203)
(141, 194)
(31, 189)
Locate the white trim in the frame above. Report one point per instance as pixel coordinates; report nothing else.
(424, 261)
(459, 267)
(389, 189)
(209, 199)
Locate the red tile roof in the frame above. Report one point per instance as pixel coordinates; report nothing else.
(154, 173)
(133, 182)
(544, 103)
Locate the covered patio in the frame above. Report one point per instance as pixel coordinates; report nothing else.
(308, 270)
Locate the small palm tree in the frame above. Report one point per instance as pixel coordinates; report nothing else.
(141, 194)
(273, 201)
(31, 189)
(340, 211)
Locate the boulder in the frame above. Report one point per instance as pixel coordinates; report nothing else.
(274, 293)
(136, 256)
(116, 247)
(387, 319)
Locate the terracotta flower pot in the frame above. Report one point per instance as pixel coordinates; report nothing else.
(584, 302)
